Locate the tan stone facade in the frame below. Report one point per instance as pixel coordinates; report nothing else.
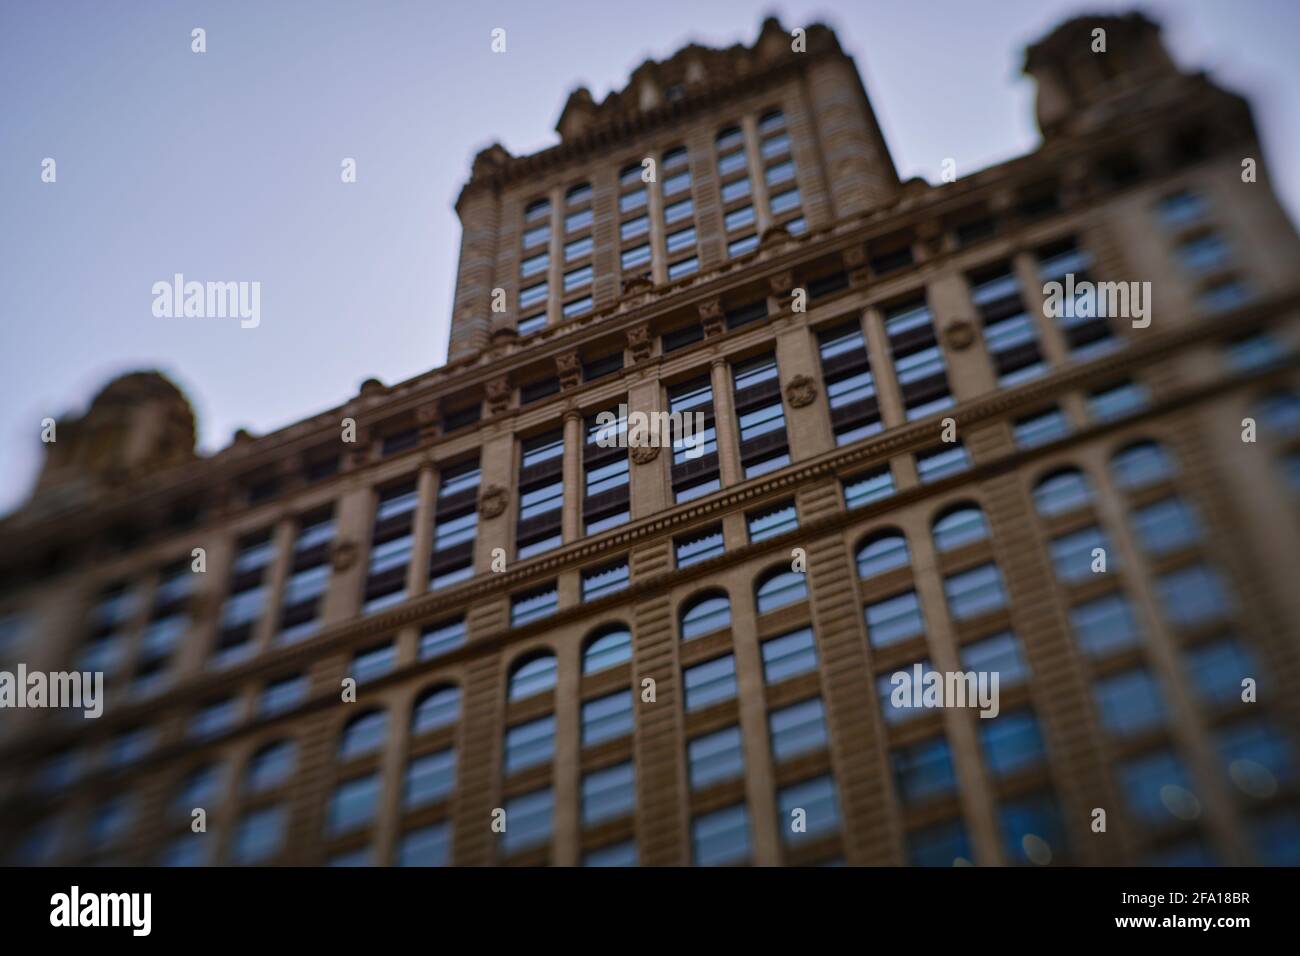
(446, 562)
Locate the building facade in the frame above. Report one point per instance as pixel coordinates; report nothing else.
(446, 624)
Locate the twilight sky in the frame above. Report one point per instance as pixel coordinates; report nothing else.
(225, 165)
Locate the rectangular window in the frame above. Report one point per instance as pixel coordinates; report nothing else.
(1082, 319)
(374, 662)
(1117, 401)
(577, 220)
(632, 228)
(1104, 625)
(607, 718)
(918, 360)
(245, 601)
(1129, 702)
(695, 456)
(430, 778)
(780, 173)
(577, 249)
(698, 546)
(607, 579)
(678, 211)
(443, 638)
(798, 729)
(391, 539)
(772, 521)
(721, 838)
(974, 592)
(937, 463)
(455, 524)
(1217, 670)
(531, 324)
(282, 695)
(631, 201)
(529, 745)
(742, 246)
(1041, 428)
(534, 265)
(850, 384)
(634, 257)
(530, 817)
(1073, 557)
(577, 279)
(821, 811)
(427, 846)
(1009, 332)
(715, 757)
(761, 416)
(868, 487)
(533, 605)
(739, 218)
(541, 494)
(710, 683)
(576, 307)
(538, 236)
(1165, 526)
(1192, 596)
(681, 240)
(1011, 743)
(923, 770)
(606, 489)
(789, 656)
(894, 620)
(676, 183)
(685, 267)
(1000, 654)
(784, 202)
(533, 295)
(608, 794)
(1157, 789)
(736, 189)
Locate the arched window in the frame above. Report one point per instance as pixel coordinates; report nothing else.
(363, 734)
(537, 209)
(533, 675)
(577, 194)
(436, 707)
(1140, 464)
(780, 587)
(1279, 412)
(674, 158)
(881, 552)
(1060, 491)
(629, 174)
(270, 767)
(705, 614)
(729, 138)
(608, 647)
(958, 526)
(200, 788)
(771, 121)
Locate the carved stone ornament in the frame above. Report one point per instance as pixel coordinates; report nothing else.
(800, 391)
(713, 318)
(499, 394)
(959, 335)
(781, 285)
(644, 454)
(344, 554)
(493, 501)
(639, 342)
(568, 367)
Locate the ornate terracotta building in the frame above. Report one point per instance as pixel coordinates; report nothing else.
(443, 624)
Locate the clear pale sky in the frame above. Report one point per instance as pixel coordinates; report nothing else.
(225, 165)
